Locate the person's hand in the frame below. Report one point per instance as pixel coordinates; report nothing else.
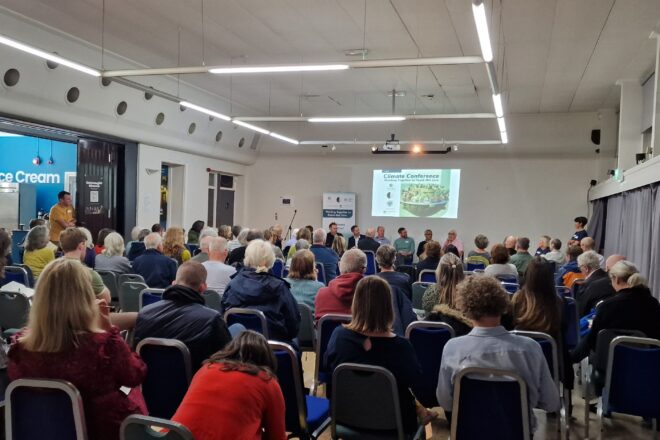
(104, 314)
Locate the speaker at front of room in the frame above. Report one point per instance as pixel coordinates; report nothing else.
(595, 136)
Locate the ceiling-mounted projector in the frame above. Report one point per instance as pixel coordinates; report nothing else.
(391, 144)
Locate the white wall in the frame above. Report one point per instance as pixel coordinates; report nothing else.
(498, 196)
(195, 184)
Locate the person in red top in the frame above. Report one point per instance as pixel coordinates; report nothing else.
(338, 296)
(235, 394)
(70, 337)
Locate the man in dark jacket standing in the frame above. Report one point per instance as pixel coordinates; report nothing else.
(182, 315)
(157, 270)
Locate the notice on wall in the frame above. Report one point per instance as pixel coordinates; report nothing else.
(339, 208)
(93, 196)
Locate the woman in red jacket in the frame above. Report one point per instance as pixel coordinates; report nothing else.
(235, 395)
(69, 337)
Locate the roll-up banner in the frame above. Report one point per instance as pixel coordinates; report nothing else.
(339, 208)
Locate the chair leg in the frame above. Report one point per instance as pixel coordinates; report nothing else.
(586, 382)
(599, 413)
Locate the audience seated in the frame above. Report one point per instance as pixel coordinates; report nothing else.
(302, 278)
(156, 227)
(135, 232)
(235, 395)
(597, 286)
(480, 255)
(138, 248)
(304, 234)
(522, 257)
(204, 240)
(112, 257)
(237, 255)
(405, 246)
(368, 339)
(269, 237)
(5, 248)
(570, 271)
(580, 233)
(157, 270)
(338, 296)
(70, 337)
(182, 315)
(218, 274)
(355, 237)
(254, 287)
(37, 252)
(194, 232)
(368, 243)
(73, 244)
(631, 308)
(339, 245)
(510, 244)
(452, 240)
(588, 244)
(555, 253)
(543, 246)
(448, 274)
(236, 242)
(380, 236)
(432, 253)
(297, 246)
(500, 265)
(428, 237)
(385, 257)
(489, 345)
(90, 252)
(324, 255)
(174, 247)
(224, 231)
(100, 240)
(277, 231)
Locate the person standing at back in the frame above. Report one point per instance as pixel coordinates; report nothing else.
(62, 215)
(580, 232)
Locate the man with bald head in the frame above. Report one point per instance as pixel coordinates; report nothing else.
(510, 244)
(588, 244)
(597, 289)
(368, 243)
(182, 315)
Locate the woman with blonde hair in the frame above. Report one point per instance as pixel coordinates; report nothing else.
(70, 337)
(174, 247)
(255, 287)
(302, 278)
(112, 258)
(90, 249)
(339, 245)
(37, 252)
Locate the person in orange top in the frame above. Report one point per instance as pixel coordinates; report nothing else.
(235, 394)
(62, 215)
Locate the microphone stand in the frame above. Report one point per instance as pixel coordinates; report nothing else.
(288, 234)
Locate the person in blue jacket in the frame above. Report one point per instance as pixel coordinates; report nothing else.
(254, 287)
(571, 265)
(157, 270)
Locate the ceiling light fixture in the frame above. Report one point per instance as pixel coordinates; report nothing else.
(278, 69)
(48, 56)
(250, 126)
(205, 110)
(479, 12)
(360, 119)
(497, 102)
(502, 125)
(505, 137)
(284, 138)
(416, 149)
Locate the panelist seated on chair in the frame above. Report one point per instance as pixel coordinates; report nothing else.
(70, 337)
(235, 395)
(254, 287)
(490, 345)
(182, 315)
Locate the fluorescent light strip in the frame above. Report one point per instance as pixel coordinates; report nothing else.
(502, 125)
(505, 137)
(497, 102)
(479, 12)
(278, 69)
(7, 134)
(250, 126)
(205, 110)
(284, 138)
(48, 56)
(360, 119)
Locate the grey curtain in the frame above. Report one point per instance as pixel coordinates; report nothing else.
(597, 223)
(654, 244)
(613, 225)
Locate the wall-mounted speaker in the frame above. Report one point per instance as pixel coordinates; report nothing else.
(595, 136)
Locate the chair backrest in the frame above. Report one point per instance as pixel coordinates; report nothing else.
(371, 263)
(408, 269)
(511, 287)
(168, 374)
(549, 348)
(124, 277)
(278, 267)
(492, 401)
(428, 339)
(137, 427)
(365, 397)
(14, 310)
(571, 331)
(29, 272)
(553, 265)
(563, 291)
(418, 289)
(427, 276)
(603, 340)
(192, 248)
(507, 278)
(34, 407)
(285, 272)
(251, 319)
(110, 281)
(306, 334)
(129, 295)
(16, 273)
(213, 300)
(632, 383)
(472, 266)
(148, 297)
(289, 376)
(320, 274)
(324, 328)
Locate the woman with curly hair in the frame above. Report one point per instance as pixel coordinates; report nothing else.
(174, 247)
